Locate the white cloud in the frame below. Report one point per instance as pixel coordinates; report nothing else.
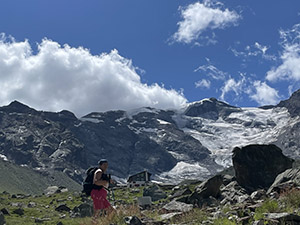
(232, 85)
(254, 50)
(61, 77)
(203, 84)
(212, 71)
(198, 17)
(289, 69)
(264, 94)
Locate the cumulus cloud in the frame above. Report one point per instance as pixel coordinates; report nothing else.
(61, 77)
(203, 84)
(289, 69)
(264, 94)
(232, 86)
(198, 17)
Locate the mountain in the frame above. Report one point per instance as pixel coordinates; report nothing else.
(195, 142)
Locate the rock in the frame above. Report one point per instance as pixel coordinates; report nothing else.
(256, 166)
(31, 205)
(207, 189)
(210, 187)
(39, 220)
(175, 206)
(284, 218)
(178, 193)
(259, 194)
(2, 219)
(133, 220)
(286, 181)
(231, 193)
(144, 201)
(155, 192)
(244, 220)
(5, 211)
(62, 208)
(51, 190)
(169, 216)
(227, 179)
(83, 210)
(258, 222)
(19, 211)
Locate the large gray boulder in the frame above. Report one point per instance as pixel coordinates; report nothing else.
(83, 210)
(286, 181)
(207, 190)
(256, 166)
(175, 206)
(155, 192)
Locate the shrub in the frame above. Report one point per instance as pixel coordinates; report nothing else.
(269, 206)
(291, 199)
(223, 221)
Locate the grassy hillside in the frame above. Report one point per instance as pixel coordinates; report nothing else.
(17, 179)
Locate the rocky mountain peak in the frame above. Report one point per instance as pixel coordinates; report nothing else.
(210, 109)
(17, 107)
(292, 104)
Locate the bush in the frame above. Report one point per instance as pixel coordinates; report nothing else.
(223, 221)
(291, 199)
(269, 206)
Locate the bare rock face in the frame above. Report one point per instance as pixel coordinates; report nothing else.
(287, 180)
(256, 166)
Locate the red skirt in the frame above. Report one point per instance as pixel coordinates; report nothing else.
(99, 199)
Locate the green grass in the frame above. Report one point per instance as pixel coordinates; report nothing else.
(223, 221)
(22, 180)
(269, 206)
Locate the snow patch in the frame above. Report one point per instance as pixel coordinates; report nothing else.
(133, 112)
(3, 157)
(163, 122)
(183, 171)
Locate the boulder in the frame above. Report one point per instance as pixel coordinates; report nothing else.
(62, 208)
(19, 211)
(286, 181)
(54, 189)
(208, 188)
(133, 220)
(2, 219)
(232, 193)
(181, 192)
(256, 166)
(284, 218)
(259, 194)
(5, 211)
(51, 190)
(175, 206)
(155, 192)
(83, 210)
(170, 216)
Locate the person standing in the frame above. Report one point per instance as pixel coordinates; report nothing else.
(101, 183)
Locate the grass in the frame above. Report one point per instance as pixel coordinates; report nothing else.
(17, 179)
(196, 216)
(269, 206)
(223, 221)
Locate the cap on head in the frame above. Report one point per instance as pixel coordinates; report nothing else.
(101, 161)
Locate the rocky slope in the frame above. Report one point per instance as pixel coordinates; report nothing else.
(195, 142)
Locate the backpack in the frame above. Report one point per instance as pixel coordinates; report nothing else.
(88, 185)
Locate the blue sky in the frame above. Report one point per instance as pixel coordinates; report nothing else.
(99, 55)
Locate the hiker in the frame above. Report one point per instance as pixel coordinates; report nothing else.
(100, 187)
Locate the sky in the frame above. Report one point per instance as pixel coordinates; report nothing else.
(96, 55)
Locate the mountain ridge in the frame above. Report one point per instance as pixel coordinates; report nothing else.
(192, 143)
